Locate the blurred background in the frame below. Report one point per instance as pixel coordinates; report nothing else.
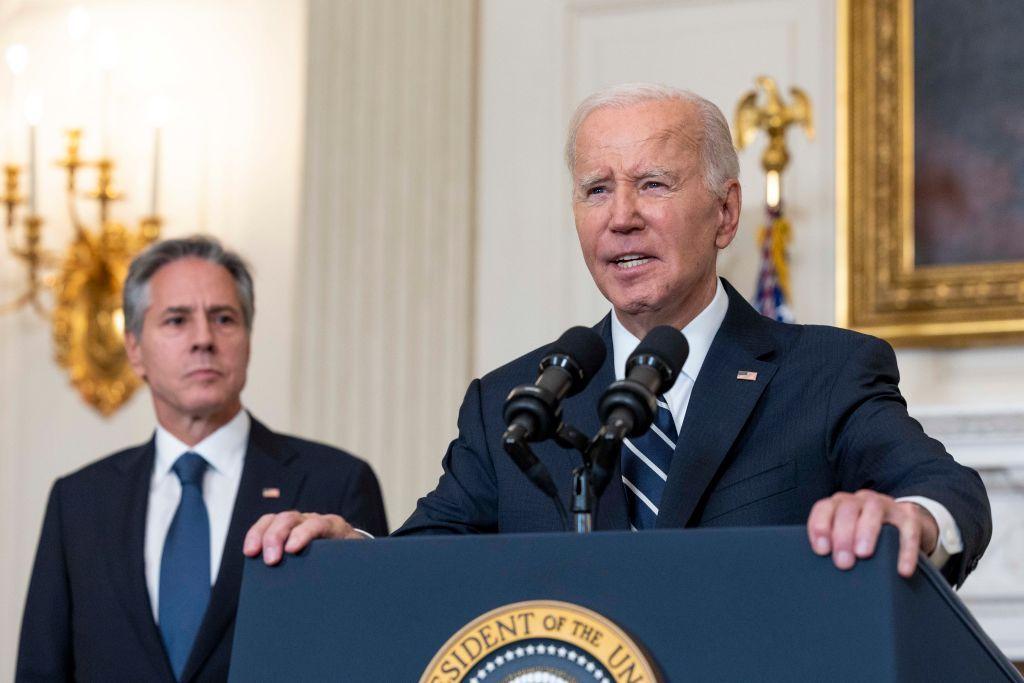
(392, 169)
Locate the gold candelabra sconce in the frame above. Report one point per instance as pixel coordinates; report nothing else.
(774, 117)
(79, 290)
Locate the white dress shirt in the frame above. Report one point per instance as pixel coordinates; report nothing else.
(224, 450)
(699, 333)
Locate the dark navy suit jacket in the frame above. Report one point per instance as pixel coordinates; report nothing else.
(824, 415)
(88, 615)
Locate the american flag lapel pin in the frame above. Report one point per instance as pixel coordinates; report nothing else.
(272, 492)
(747, 375)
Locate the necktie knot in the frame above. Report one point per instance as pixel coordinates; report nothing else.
(190, 468)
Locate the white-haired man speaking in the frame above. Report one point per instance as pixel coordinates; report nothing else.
(769, 423)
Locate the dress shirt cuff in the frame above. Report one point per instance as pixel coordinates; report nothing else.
(949, 541)
(369, 535)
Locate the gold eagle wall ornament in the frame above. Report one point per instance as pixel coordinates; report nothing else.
(774, 117)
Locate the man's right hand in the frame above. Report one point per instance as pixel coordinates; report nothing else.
(290, 532)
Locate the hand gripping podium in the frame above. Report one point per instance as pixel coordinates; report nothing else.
(744, 604)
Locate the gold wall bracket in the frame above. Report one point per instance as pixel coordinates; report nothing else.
(85, 281)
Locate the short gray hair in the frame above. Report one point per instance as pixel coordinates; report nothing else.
(135, 298)
(717, 153)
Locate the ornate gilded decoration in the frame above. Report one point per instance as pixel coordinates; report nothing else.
(86, 282)
(773, 117)
(881, 290)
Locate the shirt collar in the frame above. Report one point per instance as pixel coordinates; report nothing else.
(224, 450)
(699, 333)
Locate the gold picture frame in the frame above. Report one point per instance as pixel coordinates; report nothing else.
(880, 288)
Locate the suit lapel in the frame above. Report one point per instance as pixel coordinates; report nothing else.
(124, 518)
(719, 407)
(266, 466)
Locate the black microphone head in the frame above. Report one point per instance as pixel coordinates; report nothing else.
(665, 349)
(579, 350)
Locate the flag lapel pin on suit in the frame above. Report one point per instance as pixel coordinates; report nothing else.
(272, 492)
(747, 375)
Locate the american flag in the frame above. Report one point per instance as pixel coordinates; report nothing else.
(773, 276)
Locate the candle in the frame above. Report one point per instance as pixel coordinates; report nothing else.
(33, 113)
(32, 170)
(105, 115)
(158, 107)
(156, 173)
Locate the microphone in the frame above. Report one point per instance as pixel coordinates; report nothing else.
(533, 411)
(629, 405)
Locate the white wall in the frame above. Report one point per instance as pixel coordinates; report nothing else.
(385, 275)
(234, 73)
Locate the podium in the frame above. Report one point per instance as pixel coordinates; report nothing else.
(736, 604)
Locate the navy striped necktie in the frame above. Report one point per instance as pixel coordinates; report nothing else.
(185, 565)
(645, 463)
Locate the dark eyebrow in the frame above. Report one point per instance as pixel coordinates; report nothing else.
(222, 308)
(180, 310)
(188, 310)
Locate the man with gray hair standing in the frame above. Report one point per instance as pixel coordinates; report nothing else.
(139, 564)
(767, 424)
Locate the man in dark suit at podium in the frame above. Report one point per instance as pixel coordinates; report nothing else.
(139, 564)
(768, 424)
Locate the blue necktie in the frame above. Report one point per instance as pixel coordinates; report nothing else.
(645, 463)
(185, 565)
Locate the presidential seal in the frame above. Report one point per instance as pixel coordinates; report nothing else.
(540, 641)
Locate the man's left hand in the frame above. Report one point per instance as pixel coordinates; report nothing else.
(847, 526)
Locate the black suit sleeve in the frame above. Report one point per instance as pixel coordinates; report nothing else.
(362, 506)
(875, 444)
(44, 650)
(465, 500)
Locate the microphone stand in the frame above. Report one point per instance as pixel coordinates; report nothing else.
(627, 408)
(633, 404)
(583, 499)
(588, 481)
(599, 458)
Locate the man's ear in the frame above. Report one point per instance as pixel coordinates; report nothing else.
(729, 214)
(134, 351)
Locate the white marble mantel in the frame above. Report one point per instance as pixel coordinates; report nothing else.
(992, 442)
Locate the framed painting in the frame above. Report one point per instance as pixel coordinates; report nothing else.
(930, 160)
